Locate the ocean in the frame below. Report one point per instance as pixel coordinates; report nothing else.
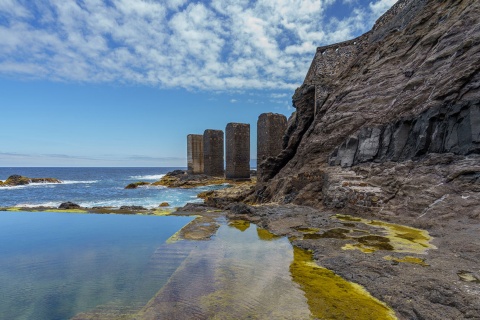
(91, 187)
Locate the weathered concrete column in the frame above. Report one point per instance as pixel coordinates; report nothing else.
(213, 152)
(195, 153)
(270, 130)
(238, 151)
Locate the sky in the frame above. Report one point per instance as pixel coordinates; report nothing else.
(122, 82)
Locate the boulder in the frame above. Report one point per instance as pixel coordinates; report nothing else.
(69, 205)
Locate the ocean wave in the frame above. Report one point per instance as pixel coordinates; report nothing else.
(47, 184)
(44, 204)
(148, 177)
(78, 182)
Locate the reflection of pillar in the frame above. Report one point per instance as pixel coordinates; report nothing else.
(270, 130)
(195, 153)
(213, 152)
(238, 151)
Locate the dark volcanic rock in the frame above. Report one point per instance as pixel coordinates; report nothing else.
(446, 129)
(68, 205)
(135, 185)
(407, 89)
(387, 125)
(132, 208)
(17, 180)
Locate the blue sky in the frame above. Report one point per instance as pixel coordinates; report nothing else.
(122, 82)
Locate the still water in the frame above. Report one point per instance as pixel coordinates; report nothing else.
(82, 266)
(55, 265)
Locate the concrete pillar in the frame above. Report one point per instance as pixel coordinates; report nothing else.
(270, 130)
(195, 153)
(238, 151)
(213, 152)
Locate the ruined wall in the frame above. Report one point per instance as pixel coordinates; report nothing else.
(195, 153)
(213, 152)
(237, 151)
(270, 131)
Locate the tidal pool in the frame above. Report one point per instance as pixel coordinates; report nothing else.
(60, 266)
(55, 265)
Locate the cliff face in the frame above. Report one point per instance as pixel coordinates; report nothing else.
(400, 102)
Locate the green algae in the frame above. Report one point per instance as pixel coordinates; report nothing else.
(397, 238)
(67, 210)
(408, 259)
(163, 212)
(241, 225)
(336, 233)
(307, 230)
(266, 235)
(329, 296)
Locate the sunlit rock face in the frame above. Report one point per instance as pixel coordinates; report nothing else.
(404, 96)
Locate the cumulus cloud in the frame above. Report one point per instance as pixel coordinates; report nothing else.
(206, 45)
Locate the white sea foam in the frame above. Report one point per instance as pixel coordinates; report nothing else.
(78, 182)
(148, 177)
(44, 204)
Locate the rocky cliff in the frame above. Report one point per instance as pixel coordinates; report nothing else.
(390, 120)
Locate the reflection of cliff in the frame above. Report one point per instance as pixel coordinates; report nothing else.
(407, 89)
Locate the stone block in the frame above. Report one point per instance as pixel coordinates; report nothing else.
(237, 151)
(195, 153)
(213, 153)
(271, 128)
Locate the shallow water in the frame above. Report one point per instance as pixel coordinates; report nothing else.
(55, 265)
(59, 266)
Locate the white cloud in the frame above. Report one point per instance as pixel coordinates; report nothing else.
(378, 8)
(208, 45)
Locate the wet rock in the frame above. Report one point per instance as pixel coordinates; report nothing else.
(18, 180)
(137, 184)
(240, 208)
(69, 205)
(164, 204)
(132, 208)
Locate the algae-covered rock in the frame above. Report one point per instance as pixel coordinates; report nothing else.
(183, 179)
(164, 204)
(137, 184)
(18, 180)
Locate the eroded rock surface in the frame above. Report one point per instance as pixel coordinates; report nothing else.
(382, 119)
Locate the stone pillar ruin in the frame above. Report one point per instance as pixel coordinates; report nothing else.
(213, 152)
(195, 153)
(270, 130)
(238, 151)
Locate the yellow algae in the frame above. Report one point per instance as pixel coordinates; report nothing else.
(336, 233)
(163, 212)
(241, 225)
(14, 209)
(467, 276)
(329, 296)
(358, 246)
(266, 235)
(67, 210)
(307, 230)
(408, 259)
(398, 238)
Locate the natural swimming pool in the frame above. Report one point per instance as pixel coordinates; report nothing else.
(61, 265)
